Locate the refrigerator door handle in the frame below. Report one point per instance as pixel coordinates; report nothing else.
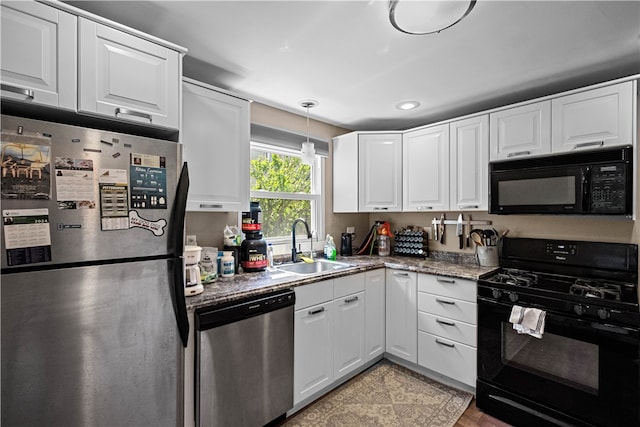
(180, 304)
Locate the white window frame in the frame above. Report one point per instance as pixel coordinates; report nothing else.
(282, 244)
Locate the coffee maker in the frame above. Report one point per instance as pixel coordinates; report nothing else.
(193, 282)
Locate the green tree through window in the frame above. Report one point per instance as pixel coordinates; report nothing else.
(280, 173)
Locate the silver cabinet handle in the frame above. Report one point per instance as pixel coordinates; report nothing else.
(129, 112)
(397, 274)
(468, 206)
(422, 208)
(210, 206)
(316, 311)
(380, 208)
(350, 300)
(440, 280)
(446, 344)
(519, 153)
(444, 301)
(21, 91)
(589, 144)
(443, 322)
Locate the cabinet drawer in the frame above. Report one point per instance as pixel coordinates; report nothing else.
(348, 285)
(451, 287)
(448, 307)
(448, 328)
(449, 358)
(315, 293)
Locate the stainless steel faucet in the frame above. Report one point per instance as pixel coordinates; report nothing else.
(294, 252)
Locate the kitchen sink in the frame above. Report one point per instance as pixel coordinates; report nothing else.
(318, 266)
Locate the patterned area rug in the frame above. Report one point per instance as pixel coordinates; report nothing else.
(386, 395)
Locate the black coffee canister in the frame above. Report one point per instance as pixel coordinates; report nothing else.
(346, 247)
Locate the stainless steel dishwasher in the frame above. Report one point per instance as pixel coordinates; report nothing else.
(244, 361)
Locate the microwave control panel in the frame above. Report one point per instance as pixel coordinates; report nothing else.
(608, 188)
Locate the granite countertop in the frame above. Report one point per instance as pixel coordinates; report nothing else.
(251, 284)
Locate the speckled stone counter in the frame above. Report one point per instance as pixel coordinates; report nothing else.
(251, 284)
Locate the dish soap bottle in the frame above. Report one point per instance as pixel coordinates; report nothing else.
(329, 248)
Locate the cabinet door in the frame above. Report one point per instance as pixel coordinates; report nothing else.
(520, 131)
(348, 334)
(345, 173)
(215, 138)
(313, 350)
(593, 119)
(38, 54)
(126, 77)
(380, 172)
(469, 153)
(426, 169)
(401, 314)
(374, 313)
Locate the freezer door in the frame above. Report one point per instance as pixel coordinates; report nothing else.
(91, 346)
(88, 229)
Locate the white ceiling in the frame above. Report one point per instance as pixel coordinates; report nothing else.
(346, 54)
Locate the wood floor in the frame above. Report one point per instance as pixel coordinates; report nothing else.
(474, 417)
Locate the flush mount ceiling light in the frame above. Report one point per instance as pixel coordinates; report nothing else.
(308, 150)
(408, 105)
(427, 16)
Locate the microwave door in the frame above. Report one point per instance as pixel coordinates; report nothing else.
(557, 190)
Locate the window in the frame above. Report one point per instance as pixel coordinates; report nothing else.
(287, 189)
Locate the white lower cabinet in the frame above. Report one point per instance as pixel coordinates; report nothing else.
(447, 327)
(348, 334)
(374, 314)
(313, 350)
(401, 314)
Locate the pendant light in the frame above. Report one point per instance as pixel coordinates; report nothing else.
(308, 150)
(427, 16)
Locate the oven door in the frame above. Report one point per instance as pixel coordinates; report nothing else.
(581, 371)
(545, 190)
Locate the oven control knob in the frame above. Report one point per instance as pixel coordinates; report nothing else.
(513, 297)
(579, 309)
(603, 313)
(496, 293)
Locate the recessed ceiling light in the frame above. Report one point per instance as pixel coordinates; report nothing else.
(408, 105)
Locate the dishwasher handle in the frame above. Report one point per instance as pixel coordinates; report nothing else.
(219, 315)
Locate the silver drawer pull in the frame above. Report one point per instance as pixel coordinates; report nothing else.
(21, 91)
(446, 344)
(421, 208)
(380, 209)
(129, 112)
(444, 301)
(519, 153)
(445, 280)
(350, 300)
(316, 311)
(468, 206)
(395, 273)
(588, 144)
(444, 322)
(210, 206)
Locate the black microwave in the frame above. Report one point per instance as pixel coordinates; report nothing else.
(598, 182)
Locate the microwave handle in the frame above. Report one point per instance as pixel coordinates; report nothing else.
(586, 184)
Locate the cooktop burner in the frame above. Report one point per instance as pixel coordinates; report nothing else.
(515, 277)
(596, 289)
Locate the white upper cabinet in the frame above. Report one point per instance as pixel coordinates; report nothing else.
(426, 169)
(38, 54)
(215, 138)
(469, 152)
(595, 118)
(127, 77)
(520, 131)
(380, 172)
(345, 173)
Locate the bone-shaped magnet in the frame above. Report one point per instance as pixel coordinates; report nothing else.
(156, 227)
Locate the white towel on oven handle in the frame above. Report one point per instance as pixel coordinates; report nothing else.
(527, 320)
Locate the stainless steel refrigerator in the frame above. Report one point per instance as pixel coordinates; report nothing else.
(94, 322)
